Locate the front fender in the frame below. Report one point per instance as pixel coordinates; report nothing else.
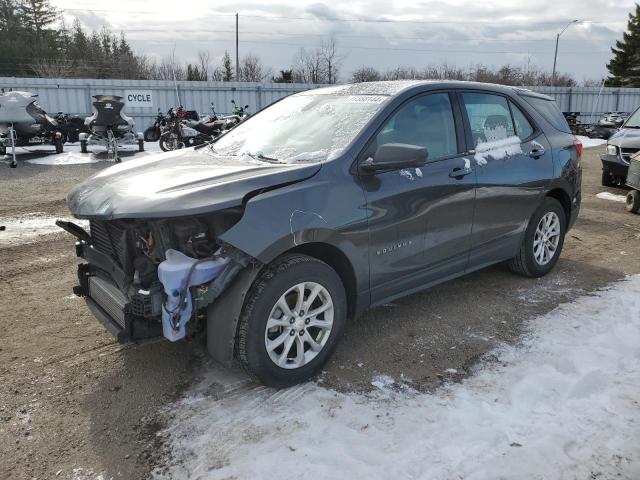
(317, 210)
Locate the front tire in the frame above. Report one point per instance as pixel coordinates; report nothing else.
(543, 241)
(141, 145)
(292, 320)
(633, 201)
(170, 142)
(607, 180)
(83, 146)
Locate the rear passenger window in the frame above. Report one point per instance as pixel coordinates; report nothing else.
(523, 128)
(550, 111)
(489, 117)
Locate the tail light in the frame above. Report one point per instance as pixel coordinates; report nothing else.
(578, 145)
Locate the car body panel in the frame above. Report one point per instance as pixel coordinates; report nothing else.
(180, 183)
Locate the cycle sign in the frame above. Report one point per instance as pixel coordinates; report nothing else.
(139, 98)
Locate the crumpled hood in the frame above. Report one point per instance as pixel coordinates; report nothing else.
(179, 183)
(626, 138)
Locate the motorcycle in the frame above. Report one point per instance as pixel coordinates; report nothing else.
(70, 126)
(183, 130)
(24, 123)
(152, 133)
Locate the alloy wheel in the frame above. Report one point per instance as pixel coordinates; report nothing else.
(299, 325)
(546, 238)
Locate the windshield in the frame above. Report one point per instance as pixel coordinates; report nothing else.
(306, 127)
(634, 120)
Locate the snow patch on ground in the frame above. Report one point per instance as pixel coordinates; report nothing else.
(590, 142)
(564, 404)
(73, 156)
(612, 197)
(30, 227)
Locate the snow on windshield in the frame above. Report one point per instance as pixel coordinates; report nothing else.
(301, 128)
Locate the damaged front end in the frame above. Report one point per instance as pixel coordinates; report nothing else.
(144, 278)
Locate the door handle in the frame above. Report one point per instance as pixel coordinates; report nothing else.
(458, 173)
(536, 153)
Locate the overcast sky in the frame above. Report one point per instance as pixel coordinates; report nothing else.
(382, 34)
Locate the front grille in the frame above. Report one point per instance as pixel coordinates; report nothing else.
(109, 298)
(626, 153)
(108, 238)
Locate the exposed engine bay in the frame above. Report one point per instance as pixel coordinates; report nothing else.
(150, 277)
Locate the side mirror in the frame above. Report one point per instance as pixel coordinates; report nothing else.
(246, 106)
(394, 156)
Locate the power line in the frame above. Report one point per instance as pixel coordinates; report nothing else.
(360, 20)
(289, 34)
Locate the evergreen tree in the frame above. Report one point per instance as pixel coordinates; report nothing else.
(227, 67)
(37, 15)
(624, 67)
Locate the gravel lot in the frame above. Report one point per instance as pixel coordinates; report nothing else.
(74, 404)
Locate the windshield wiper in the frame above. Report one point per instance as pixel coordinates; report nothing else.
(631, 126)
(260, 156)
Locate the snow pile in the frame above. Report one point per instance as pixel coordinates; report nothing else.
(590, 142)
(497, 149)
(611, 197)
(30, 227)
(562, 405)
(68, 158)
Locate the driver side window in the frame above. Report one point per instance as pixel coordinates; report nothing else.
(426, 121)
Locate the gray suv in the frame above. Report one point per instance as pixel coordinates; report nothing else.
(320, 206)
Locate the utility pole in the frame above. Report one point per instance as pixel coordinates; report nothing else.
(555, 55)
(237, 52)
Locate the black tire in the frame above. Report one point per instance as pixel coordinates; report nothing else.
(3, 150)
(607, 179)
(59, 145)
(168, 145)
(271, 284)
(524, 263)
(633, 201)
(152, 134)
(141, 145)
(83, 146)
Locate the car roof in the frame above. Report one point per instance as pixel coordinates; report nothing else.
(395, 87)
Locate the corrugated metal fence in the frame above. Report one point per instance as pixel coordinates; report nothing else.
(74, 95)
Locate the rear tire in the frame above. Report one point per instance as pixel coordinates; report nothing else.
(281, 282)
(83, 146)
(633, 201)
(3, 150)
(59, 145)
(152, 134)
(607, 179)
(532, 259)
(141, 145)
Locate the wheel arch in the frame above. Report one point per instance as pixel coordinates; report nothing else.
(336, 259)
(565, 200)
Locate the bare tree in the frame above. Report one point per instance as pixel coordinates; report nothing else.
(204, 60)
(54, 68)
(252, 69)
(365, 74)
(169, 68)
(332, 59)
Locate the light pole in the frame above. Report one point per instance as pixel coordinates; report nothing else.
(555, 56)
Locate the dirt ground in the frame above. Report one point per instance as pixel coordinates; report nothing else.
(75, 404)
